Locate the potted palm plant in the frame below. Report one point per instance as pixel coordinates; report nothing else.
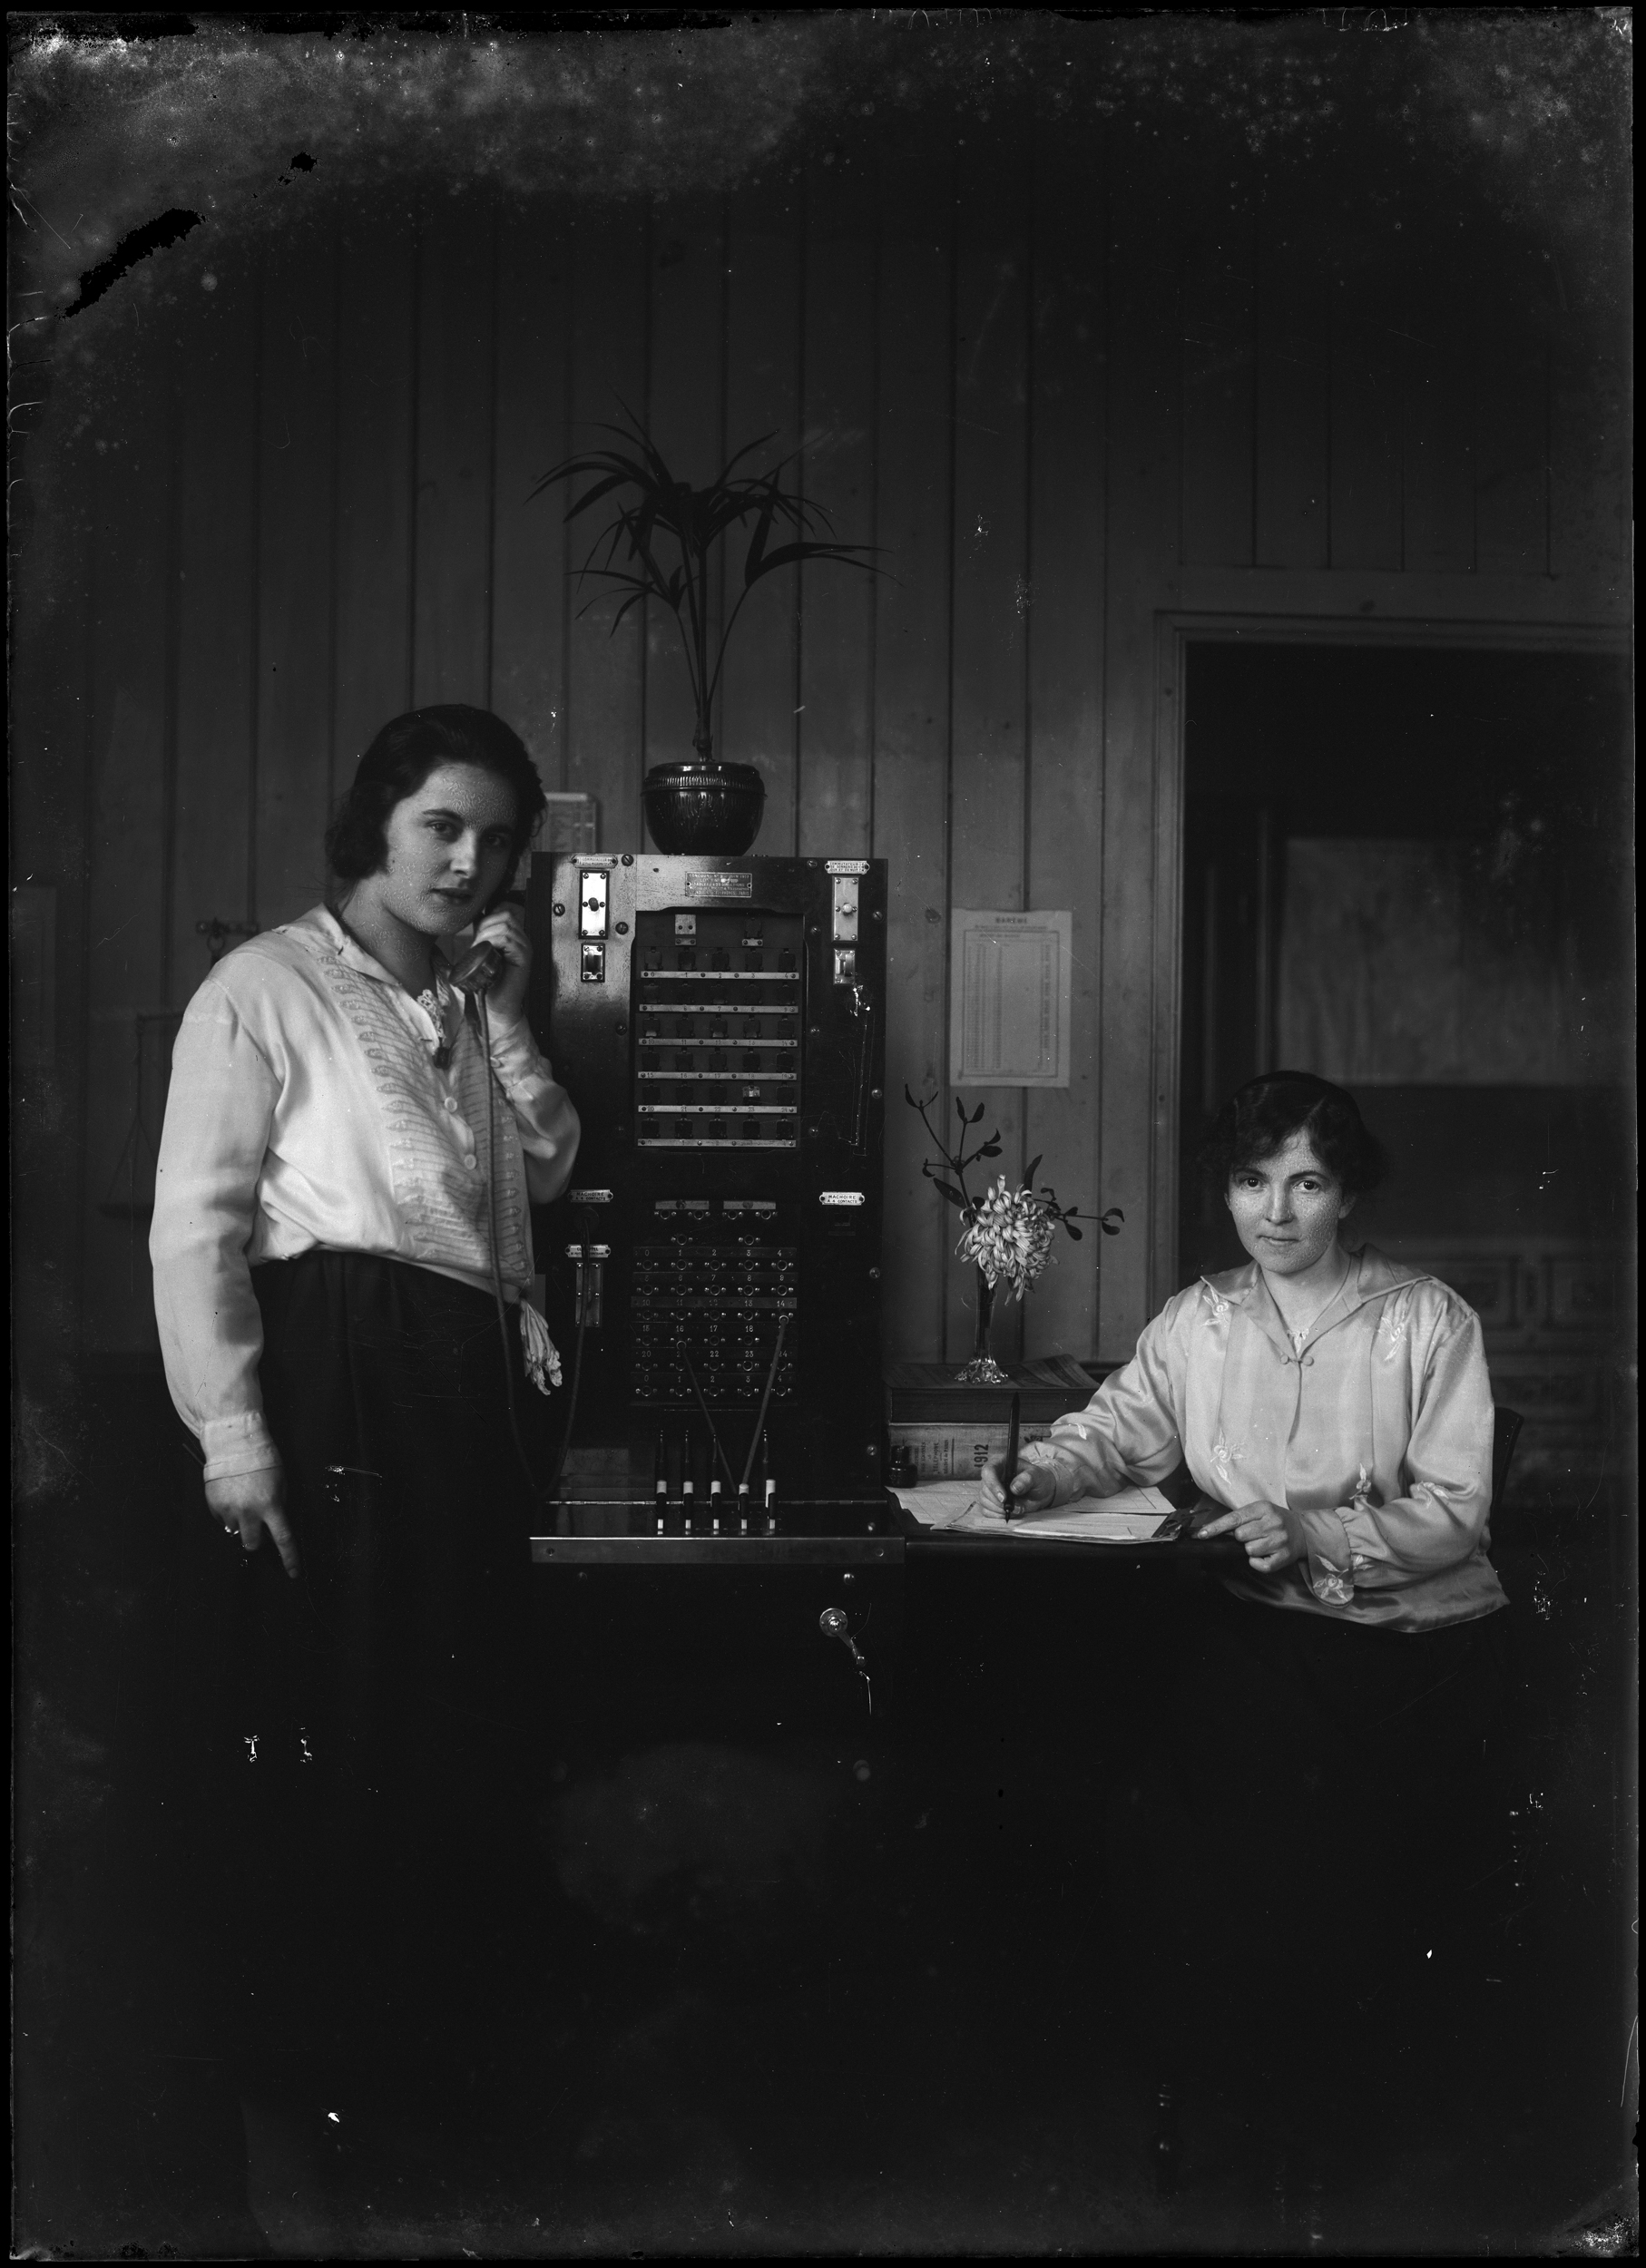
(659, 544)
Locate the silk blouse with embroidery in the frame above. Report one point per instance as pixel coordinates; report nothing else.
(314, 1103)
(1376, 1429)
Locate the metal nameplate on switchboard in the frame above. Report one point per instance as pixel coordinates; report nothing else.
(846, 866)
(700, 884)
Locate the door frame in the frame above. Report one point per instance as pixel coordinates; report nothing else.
(1176, 628)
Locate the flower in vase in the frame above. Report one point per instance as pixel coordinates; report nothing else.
(1008, 1233)
(1009, 1236)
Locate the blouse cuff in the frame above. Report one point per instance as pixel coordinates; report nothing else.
(241, 1443)
(1069, 1480)
(1330, 1562)
(516, 1060)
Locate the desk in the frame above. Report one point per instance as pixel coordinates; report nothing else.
(718, 1787)
(648, 1637)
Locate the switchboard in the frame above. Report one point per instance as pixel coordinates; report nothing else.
(719, 1023)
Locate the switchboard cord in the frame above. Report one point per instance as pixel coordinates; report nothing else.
(707, 1420)
(587, 1224)
(863, 1010)
(771, 1380)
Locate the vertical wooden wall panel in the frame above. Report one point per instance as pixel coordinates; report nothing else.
(912, 679)
(1292, 395)
(1065, 624)
(376, 424)
(51, 706)
(1143, 460)
(836, 601)
(129, 795)
(393, 413)
(687, 413)
(756, 723)
(1512, 437)
(452, 526)
(295, 462)
(529, 542)
(1218, 372)
(991, 581)
(605, 685)
(1365, 412)
(1437, 500)
(216, 625)
(1589, 455)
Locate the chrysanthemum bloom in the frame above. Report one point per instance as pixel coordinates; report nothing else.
(1009, 1237)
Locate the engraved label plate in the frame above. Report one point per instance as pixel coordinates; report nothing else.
(718, 885)
(840, 1197)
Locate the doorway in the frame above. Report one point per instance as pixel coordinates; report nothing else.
(1408, 868)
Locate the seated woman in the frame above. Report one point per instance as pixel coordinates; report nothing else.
(1335, 1412)
(341, 1243)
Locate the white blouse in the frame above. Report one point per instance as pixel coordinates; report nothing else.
(310, 1109)
(1376, 1431)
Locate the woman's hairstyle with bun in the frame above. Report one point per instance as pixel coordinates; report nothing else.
(1262, 1117)
(398, 761)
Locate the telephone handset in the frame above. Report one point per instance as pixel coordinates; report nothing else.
(481, 966)
(478, 970)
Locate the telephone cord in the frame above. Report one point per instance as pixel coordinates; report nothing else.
(484, 1022)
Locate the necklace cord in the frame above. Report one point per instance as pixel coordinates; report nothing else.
(1302, 1332)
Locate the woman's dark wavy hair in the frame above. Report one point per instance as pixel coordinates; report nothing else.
(1262, 1117)
(398, 761)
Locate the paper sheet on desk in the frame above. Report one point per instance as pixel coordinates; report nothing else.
(1131, 1516)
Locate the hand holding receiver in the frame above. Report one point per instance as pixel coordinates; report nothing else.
(249, 1503)
(504, 932)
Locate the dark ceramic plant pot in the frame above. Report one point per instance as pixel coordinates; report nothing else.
(710, 808)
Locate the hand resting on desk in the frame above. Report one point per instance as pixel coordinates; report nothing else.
(1272, 1535)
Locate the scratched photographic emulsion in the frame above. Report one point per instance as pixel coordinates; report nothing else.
(823, 1143)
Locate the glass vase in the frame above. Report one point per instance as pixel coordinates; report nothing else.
(982, 1370)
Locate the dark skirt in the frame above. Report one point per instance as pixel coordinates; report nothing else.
(379, 1790)
(1286, 1825)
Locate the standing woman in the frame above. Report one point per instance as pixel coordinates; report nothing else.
(341, 1248)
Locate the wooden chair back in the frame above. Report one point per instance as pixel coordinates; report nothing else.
(1506, 1433)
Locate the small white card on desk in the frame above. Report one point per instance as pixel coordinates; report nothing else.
(1131, 1516)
